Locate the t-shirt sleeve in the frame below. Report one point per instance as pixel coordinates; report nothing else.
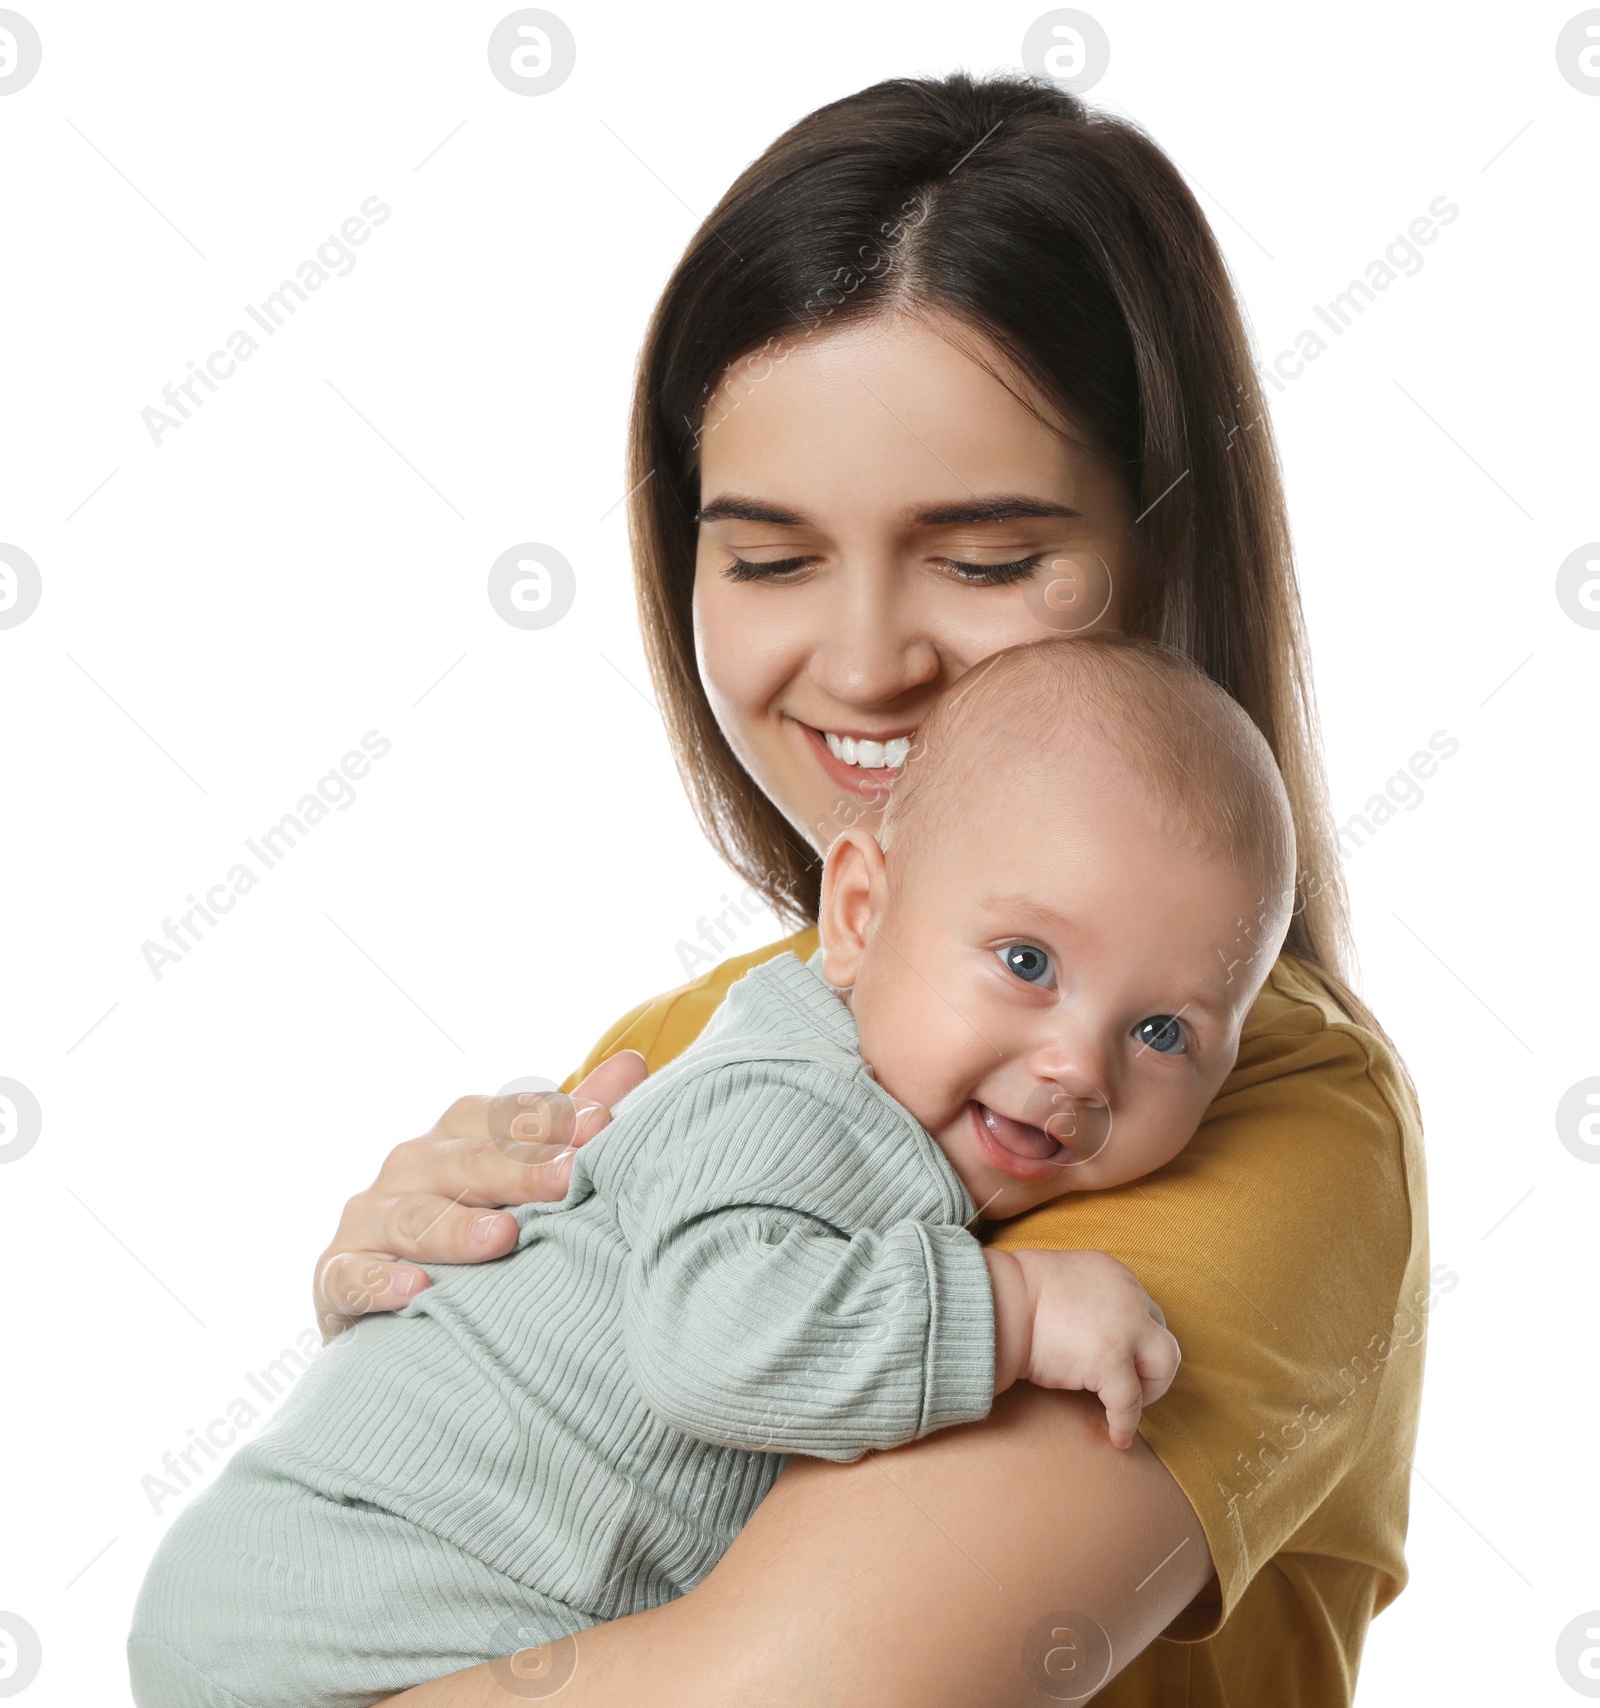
(638, 1029)
(1285, 1246)
(760, 1312)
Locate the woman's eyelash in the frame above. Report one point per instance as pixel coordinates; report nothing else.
(742, 569)
(995, 574)
(988, 574)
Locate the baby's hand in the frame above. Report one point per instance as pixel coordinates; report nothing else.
(1080, 1319)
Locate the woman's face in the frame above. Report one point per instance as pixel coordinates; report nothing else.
(878, 514)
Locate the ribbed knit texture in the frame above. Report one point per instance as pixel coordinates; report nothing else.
(763, 1254)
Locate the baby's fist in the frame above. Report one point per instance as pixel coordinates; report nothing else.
(1090, 1326)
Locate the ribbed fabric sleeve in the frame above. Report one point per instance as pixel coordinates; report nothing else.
(755, 1316)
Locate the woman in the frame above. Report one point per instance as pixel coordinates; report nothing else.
(953, 365)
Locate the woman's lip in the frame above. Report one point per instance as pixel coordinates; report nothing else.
(858, 779)
(991, 1129)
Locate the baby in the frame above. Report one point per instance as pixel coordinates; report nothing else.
(1031, 983)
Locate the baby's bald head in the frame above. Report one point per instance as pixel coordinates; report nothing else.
(1101, 711)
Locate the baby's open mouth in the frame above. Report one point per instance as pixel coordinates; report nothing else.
(1027, 1153)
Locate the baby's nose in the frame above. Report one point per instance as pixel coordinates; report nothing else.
(1074, 1061)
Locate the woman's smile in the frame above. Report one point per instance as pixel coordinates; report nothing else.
(866, 764)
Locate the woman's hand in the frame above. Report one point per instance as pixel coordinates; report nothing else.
(437, 1198)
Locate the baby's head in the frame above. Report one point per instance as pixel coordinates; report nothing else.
(1083, 877)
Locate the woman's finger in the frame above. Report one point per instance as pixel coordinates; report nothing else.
(352, 1283)
(422, 1227)
(366, 1268)
(439, 1198)
(538, 1126)
(615, 1077)
(375, 1276)
(480, 1171)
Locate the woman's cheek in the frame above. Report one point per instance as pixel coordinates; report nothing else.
(734, 666)
(711, 626)
(749, 642)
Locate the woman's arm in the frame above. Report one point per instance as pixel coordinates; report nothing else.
(931, 1575)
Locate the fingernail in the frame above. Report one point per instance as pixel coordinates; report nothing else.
(406, 1283)
(482, 1230)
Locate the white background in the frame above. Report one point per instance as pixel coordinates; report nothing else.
(229, 612)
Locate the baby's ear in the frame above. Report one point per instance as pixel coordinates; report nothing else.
(854, 883)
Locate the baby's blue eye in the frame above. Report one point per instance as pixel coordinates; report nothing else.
(1162, 1032)
(1029, 963)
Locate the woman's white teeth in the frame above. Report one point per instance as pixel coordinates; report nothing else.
(870, 755)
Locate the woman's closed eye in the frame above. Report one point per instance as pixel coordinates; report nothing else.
(992, 574)
(1030, 963)
(1162, 1033)
(747, 569)
(974, 574)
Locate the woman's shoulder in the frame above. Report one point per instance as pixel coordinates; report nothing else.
(663, 1027)
(1301, 1054)
(1317, 1122)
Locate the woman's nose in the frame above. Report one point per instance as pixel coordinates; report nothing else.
(876, 650)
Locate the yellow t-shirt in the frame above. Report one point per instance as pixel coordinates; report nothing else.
(1287, 1246)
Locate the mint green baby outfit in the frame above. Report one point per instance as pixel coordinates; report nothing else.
(763, 1254)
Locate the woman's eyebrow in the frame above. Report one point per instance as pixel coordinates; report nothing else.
(734, 507)
(1001, 507)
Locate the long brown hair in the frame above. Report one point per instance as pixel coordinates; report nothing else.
(1068, 240)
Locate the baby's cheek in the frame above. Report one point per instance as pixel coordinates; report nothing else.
(925, 1044)
(896, 1048)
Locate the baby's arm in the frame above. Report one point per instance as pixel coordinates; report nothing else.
(1080, 1319)
(760, 1312)
(761, 1315)
(761, 1327)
